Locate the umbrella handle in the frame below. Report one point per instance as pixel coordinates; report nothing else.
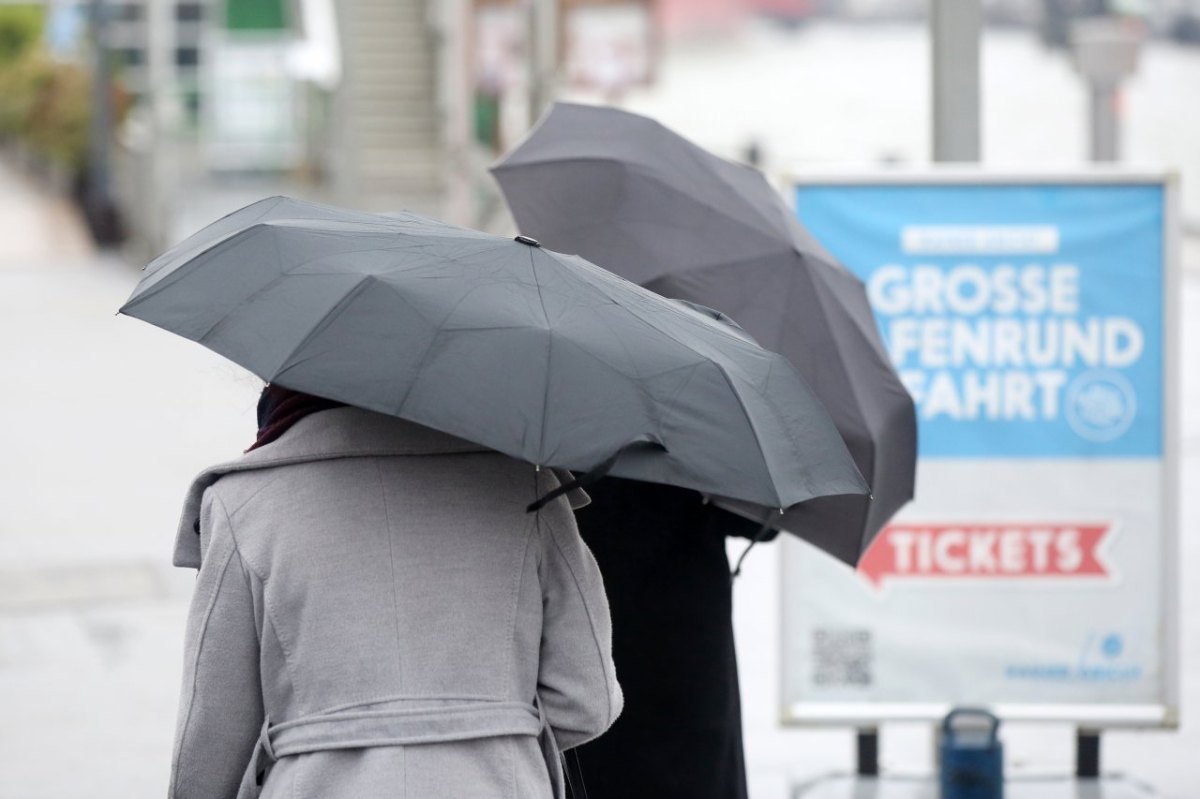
(759, 536)
(590, 476)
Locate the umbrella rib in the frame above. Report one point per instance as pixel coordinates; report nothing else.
(461, 260)
(855, 389)
(248, 299)
(679, 312)
(240, 235)
(278, 200)
(656, 418)
(429, 349)
(874, 343)
(285, 273)
(549, 355)
(753, 428)
(825, 325)
(723, 371)
(652, 174)
(715, 326)
(175, 275)
(323, 323)
(749, 200)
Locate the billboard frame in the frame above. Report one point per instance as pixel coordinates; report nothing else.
(1164, 715)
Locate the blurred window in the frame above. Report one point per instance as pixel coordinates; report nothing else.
(187, 56)
(189, 12)
(126, 12)
(130, 56)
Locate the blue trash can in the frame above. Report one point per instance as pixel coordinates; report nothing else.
(972, 755)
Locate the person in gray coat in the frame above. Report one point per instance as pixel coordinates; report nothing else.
(376, 615)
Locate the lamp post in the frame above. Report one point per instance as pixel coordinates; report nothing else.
(543, 56)
(1105, 50)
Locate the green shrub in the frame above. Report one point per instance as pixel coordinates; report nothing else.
(20, 30)
(60, 115)
(44, 102)
(48, 104)
(21, 82)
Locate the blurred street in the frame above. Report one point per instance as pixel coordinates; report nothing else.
(90, 614)
(107, 419)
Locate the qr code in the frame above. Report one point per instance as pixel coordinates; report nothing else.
(842, 657)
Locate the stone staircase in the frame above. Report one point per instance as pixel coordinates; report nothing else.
(388, 151)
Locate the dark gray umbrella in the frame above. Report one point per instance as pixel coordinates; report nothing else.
(632, 196)
(541, 356)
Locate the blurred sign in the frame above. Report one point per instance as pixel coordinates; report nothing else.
(1106, 49)
(501, 45)
(1034, 570)
(976, 551)
(609, 48)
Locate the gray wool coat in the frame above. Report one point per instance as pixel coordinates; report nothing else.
(376, 615)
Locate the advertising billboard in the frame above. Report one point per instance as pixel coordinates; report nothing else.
(1031, 318)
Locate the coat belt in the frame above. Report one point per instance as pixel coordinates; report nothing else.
(356, 729)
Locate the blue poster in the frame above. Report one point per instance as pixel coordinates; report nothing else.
(1026, 320)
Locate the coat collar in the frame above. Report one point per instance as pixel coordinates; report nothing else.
(346, 432)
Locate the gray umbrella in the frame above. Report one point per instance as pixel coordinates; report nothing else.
(632, 196)
(538, 355)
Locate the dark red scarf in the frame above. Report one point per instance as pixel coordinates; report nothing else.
(279, 408)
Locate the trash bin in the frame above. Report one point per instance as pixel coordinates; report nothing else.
(972, 756)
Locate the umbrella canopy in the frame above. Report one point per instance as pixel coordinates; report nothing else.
(538, 355)
(632, 196)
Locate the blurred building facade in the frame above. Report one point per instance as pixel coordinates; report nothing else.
(129, 37)
(388, 104)
(381, 104)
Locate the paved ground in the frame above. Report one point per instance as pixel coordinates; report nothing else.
(104, 421)
(38, 225)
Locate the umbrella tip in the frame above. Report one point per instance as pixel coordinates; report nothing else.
(527, 240)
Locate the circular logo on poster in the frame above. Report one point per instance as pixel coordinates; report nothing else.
(1100, 405)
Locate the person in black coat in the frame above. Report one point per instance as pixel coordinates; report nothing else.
(661, 551)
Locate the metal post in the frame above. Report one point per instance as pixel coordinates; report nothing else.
(954, 28)
(160, 96)
(1087, 754)
(543, 56)
(867, 751)
(97, 200)
(1105, 51)
(1105, 130)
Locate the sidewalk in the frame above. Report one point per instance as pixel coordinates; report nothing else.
(106, 419)
(35, 225)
